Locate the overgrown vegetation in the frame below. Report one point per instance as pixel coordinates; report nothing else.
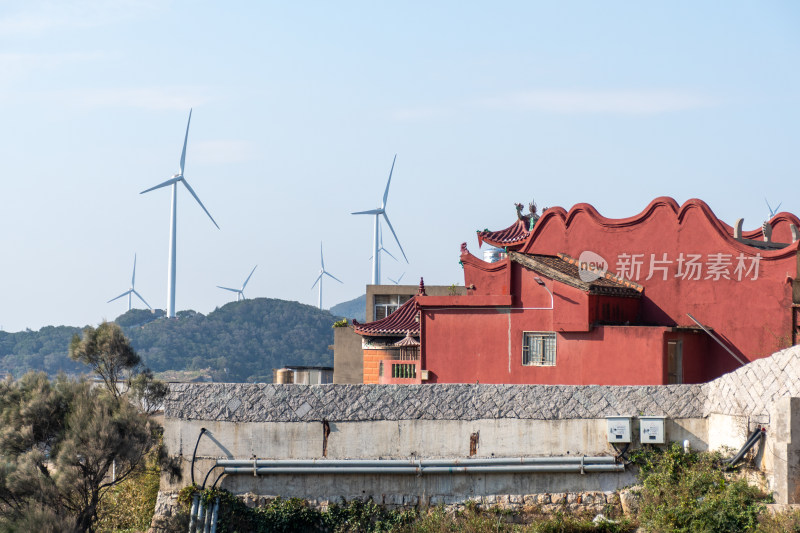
(64, 444)
(295, 515)
(290, 515)
(691, 492)
(129, 506)
(680, 493)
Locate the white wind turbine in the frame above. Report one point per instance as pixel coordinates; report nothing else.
(322, 272)
(240, 292)
(376, 269)
(174, 180)
(131, 291)
(381, 248)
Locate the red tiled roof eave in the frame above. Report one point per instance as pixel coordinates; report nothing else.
(514, 235)
(400, 323)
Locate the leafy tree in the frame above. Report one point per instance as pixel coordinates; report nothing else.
(148, 392)
(108, 352)
(59, 442)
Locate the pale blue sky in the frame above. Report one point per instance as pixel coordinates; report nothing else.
(299, 108)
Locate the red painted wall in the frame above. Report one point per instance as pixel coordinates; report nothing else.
(753, 315)
(749, 311)
(607, 355)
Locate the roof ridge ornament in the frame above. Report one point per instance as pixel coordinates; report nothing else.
(421, 291)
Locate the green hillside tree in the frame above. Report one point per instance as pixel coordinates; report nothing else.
(109, 354)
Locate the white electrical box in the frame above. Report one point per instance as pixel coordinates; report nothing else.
(619, 429)
(651, 430)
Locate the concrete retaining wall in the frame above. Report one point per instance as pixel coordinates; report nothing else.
(397, 421)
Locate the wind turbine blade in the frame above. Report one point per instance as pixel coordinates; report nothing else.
(120, 296)
(168, 182)
(401, 277)
(387, 252)
(228, 288)
(317, 280)
(185, 139)
(198, 201)
(321, 259)
(395, 237)
(370, 212)
(133, 279)
(386, 192)
(142, 299)
(334, 277)
(248, 277)
(776, 208)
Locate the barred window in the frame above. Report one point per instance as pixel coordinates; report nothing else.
(538, 348)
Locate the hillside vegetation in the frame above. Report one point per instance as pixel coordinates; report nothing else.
(239, 342)
(355, 308)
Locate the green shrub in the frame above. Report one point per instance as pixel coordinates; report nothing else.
(788, 522)
(295, 515)
(129, 506)
(690, 492)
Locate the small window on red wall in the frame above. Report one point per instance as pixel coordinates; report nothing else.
(538, 348)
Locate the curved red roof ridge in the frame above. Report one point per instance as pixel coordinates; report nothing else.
(724, 230)
(516, 233)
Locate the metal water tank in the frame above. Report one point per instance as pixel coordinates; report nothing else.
(284, 376)
(493, 255)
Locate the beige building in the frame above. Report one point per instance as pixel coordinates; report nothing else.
(382, 301)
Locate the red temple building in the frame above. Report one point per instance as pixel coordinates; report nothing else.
(671, 295)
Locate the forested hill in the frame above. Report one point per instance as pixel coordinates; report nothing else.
(241, 341)
(355, 308)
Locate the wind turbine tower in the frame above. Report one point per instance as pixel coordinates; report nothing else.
(132, 290)
(240, 292)
(174, 181)
(322, 272)
(376, 269)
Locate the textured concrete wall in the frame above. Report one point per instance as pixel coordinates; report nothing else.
(244, 402)
(749, 391)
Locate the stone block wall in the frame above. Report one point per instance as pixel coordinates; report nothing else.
(749, 391)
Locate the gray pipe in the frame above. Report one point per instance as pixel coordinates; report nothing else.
(381, 463)
(416, 470)
(200, 515)
(214, 516)
(207, 528)
(193, 513)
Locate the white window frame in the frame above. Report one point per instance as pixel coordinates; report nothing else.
(546, 341)
(393, 304)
